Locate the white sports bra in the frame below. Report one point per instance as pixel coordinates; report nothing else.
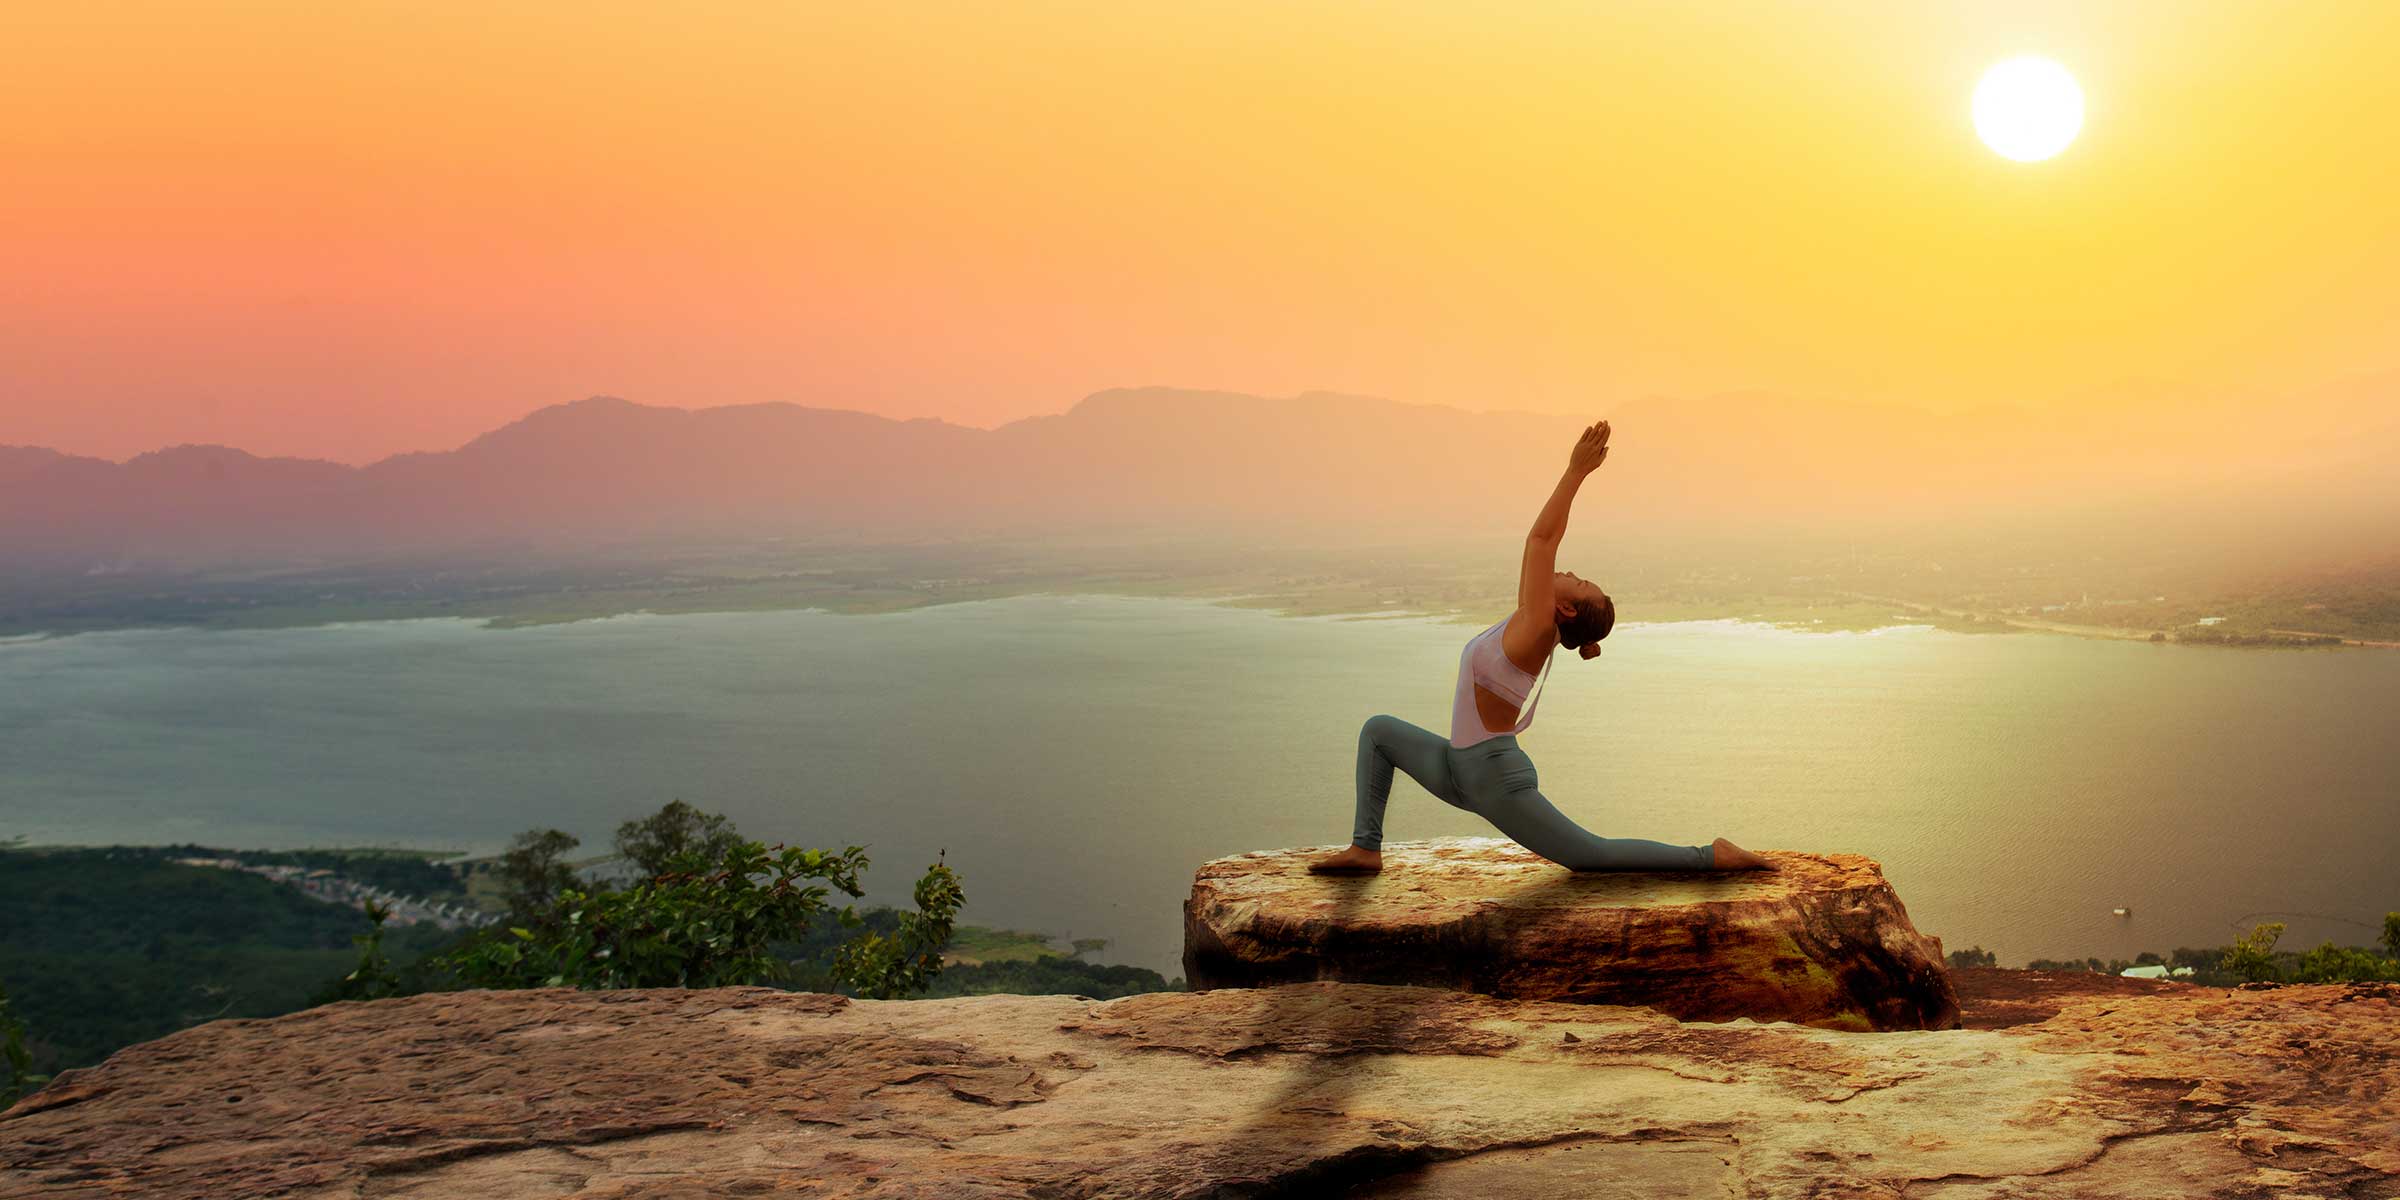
(1484, 662)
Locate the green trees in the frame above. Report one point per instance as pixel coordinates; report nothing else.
(2256, 960)
(15, 1057)
(535, 869)
(713, 928)
(104, 947)
(2343, 964)
(654, 844)
(2253, 956)
(1973, 956)
(708, 909)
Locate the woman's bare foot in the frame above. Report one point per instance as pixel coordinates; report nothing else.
(1357, 860)
(1730, 857)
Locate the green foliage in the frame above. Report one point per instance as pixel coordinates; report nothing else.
(678, 929)
(710, 908)
(1973, 956)
(2343, 964)
(660, 842)
(373, 978)
(534, 871)
(15, 1057)
(886, 968)
(2252, 958)
(2391, 934)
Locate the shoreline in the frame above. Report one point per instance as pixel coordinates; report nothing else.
(1788, 614)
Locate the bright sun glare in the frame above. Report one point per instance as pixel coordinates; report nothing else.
(2028, 108)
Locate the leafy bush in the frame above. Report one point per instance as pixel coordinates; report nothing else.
(2343, 964)
(886, 968)
(1973, 956)
(712, 928)
(2253, 956)
(373, 978)
(15, 1056)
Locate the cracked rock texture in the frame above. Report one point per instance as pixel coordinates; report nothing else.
(1307, 1089)
(1821, 940)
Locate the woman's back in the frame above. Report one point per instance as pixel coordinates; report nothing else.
(1484, 662)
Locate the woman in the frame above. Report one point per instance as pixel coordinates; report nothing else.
(1481, 768)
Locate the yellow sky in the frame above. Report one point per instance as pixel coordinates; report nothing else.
(351, 229)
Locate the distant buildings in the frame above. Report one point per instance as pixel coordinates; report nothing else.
(326, 884)
(2155, 971)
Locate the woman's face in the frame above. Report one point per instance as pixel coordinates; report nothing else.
(1576, 588)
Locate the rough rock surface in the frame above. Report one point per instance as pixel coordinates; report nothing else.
(1821, 940)
(1305, 1089)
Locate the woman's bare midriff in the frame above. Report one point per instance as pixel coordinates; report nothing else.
(1497, 715)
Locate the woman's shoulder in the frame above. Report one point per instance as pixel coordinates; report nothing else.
(1521, 638)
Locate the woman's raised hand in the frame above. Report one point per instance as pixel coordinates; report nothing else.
(1591, 450)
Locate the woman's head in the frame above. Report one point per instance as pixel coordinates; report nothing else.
(1585, 614)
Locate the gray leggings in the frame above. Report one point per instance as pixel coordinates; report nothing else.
(1494, 780)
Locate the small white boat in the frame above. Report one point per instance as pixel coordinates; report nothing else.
(2122, 912)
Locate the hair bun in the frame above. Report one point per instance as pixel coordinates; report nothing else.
(1589, 650)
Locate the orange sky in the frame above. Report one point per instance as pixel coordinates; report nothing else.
(351, 229)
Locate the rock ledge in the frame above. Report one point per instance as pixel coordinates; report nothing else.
(1821, 940)
(1315, 1089)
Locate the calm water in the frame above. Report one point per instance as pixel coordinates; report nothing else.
(1077, 756)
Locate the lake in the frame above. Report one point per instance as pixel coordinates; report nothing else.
(1077, 756)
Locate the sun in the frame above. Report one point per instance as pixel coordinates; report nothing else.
(2028, 108)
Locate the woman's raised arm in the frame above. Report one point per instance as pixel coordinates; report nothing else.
(1537, 578)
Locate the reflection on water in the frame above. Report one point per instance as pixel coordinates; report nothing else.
(1078, 755)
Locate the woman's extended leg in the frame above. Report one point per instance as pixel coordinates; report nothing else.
(1529, 818)
(1385, 742)
(1502, 787)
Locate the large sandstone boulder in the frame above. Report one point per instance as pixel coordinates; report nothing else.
(1821, 940)
(1318, 1089)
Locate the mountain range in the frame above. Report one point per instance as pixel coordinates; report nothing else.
(1162, 460)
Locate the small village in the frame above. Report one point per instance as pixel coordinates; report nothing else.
(330, 886)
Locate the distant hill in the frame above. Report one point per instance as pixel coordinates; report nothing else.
(1161, 459)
